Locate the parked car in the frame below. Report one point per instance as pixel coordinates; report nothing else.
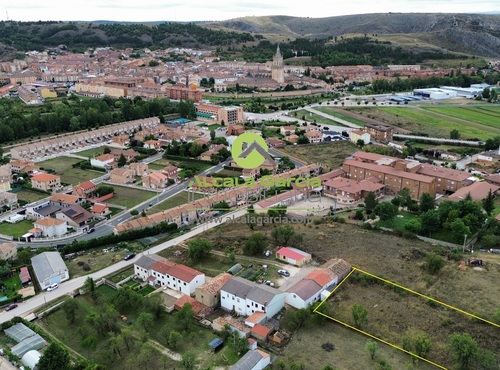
(284, 273)
(11, 306)
(91, 230)
(52, 287)
(129, 256)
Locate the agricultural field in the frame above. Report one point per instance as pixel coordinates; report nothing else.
(331, 155)
(437, 121)
(130, 197)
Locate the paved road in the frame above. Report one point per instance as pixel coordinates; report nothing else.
(69, 286)
(438, 139)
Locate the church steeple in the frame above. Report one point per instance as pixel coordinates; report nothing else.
(277, 69)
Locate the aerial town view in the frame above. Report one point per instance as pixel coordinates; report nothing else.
(250, 186)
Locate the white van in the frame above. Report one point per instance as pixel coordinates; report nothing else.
(52, 287)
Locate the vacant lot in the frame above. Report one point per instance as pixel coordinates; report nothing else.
(59, 164)
(91, 153)
(30, 196)
(63, 166)
(331, 155)
(394, 258)
(337, 112)
(312, 117)
(174, 201)
(130, 197)
(16, 230)
(398, 316)
(435, 122)
(488, 116)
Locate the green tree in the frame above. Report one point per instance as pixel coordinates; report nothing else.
(154, 305)
(54, 357)
(212, 135)
(422, 345)
(372, 347)
(145, 320)
(122, 161)
(386, 211)
(188, 360)
(458, 230)
(370, 202)
(199, 248)
(104, 190)
(433, 263)
(90, 343)
(286, 235)
(427, 203)
(489, 203)
(106, 150)
(185, 317)
(405, 197)
(464, 349)
(430, 222)
(174, 339)
(455, 134)
(303, 139)
(90, 288)
(195, 150)
(255, 244)
(70, 308)
(360, 143)
(359, 314)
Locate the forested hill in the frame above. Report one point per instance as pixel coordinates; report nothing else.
(24, 36)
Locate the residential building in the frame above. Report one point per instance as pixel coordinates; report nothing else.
(122, 176)
(380, 133)
(314, 137)
(46, 182)
(235, 130)
(64, 200)
(287, 130)
(152, 144)
(221, 115)
(49, 268)
(172, 172)
(140, 169)
(51, 227)
(121, 140)
(244, 297)
(100, 210)
(85, 190)
(293, 256)
(209, 292)
(160, 271)
(20, 165)
(8, 251)
(75, 216)
(355, 135)
(155, 180)
(103, 161)
(478, 191)
(349, 191)
(129, 154)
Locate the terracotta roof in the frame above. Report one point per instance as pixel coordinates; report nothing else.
(388, 170)
(216, 283)
(196, 306)
(260, 330)
(477, 191)
(99, 208)
(64, 198)
(7, 247)
(320, 277)
(47, 222)
(105, 158)
(255, 318)
(288, 253)
(87, 185)
(45, 177)
(184, 273)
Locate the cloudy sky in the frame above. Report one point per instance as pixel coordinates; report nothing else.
(197, 10)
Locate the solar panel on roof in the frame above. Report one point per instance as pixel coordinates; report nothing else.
(71, 212)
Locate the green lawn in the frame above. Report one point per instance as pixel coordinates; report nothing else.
(122, 275)
(146, 290)
(93, 152)
(60, 164)
(12, 285)
(30, 196)
(398, 223)
(174, 201)
(16, 230)
(341, 116)
(313, 117)
(75, 176)
(130, 197)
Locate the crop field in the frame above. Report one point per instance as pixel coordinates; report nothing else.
(489, 116)
(398, 316)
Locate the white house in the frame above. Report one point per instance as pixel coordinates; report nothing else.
(355, 135)
(49, 268)
(245, 297)
(51, 227)
(102, 161)
(160, 271)
(308, 290)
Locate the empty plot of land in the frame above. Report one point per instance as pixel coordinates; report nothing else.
(309, 116)
(93, 152)
(398, 316)
(331, 155)
(173, 201)
(488, 117)
(130, 197)
(30, 196)
(346, 117)
(59, 164)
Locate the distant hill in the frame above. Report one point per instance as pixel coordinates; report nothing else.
(475, 34)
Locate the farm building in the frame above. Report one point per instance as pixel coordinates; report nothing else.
(293, 256)
(26, 339)
(253, 360)
(49, 268)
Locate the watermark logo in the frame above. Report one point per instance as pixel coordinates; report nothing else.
(250, 150)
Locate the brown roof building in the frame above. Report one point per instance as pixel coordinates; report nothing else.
(209, 293)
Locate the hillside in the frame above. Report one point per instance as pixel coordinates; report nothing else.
(476, 34)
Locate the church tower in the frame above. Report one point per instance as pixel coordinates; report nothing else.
(277, 70)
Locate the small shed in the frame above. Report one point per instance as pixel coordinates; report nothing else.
(293, 256)
(235, 269)
(216, 344)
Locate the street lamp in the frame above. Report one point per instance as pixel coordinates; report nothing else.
(465, 239)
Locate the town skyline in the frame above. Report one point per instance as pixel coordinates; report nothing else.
(158, 11)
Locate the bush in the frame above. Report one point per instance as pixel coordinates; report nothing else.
(433, 263)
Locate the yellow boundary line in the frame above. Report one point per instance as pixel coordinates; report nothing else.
(354, 269)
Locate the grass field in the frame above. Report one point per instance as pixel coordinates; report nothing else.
(69, 175)
(30, 196)
(312, 117)
(16, 230)
(12, 285)
(345, 117)
(130, 197)
(60, 164)
(398, 222)
(96, 261)
(93, 152)
(331, 155)
(122, 275)
(176, 200)
(146, 290)
(489, 116)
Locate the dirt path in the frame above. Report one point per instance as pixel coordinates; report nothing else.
(362, 117)
(167, 352)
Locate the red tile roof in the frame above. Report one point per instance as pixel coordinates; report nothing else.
(288, 253)
(319, 277)
(260, 330)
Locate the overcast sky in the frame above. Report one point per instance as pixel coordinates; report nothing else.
(198, 10)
